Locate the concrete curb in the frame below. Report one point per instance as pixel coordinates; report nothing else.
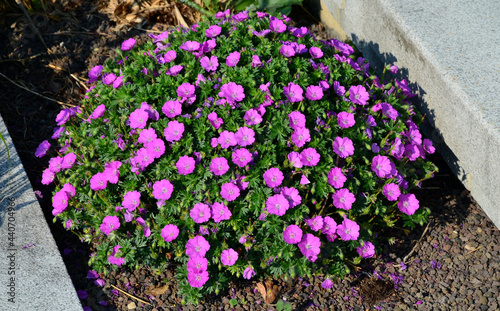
(447, 51)
(33, 275)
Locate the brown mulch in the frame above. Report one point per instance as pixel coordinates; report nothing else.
(455, 264)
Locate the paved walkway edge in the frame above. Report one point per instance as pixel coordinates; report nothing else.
(32, 273)
(461, 127)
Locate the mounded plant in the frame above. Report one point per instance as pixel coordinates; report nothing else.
(238, 148)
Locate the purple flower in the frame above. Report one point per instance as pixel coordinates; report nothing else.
(343, 147)
(174, 131)
(213, 31)
(366, 250)
(113, 259)
(62, 117)
(60, 201)
(190, 46)
(209, 64)
(172, 108)
(248, 273)
(108, 79)
(91, 275)
(300, 137)
(408, 203)
(381, 165)
(241, 157)
(200, 213)
(162, 189)
(292, 195)
(197, 264)
(232, 92)
(241, 16)
(229, 191)
(227, 139)
(277, 25)
(428, 146)
(128, 44)
(146, 136)
(329, 225)
(287, 50)
(343, 199)
(185, 90)
(197, 247)
(309, 247)
(244, 136)
(55, 164)
(304, 180)
(228, 257)
(197, 279)
(335, 178)
(138, 119)
(339, 89)
(185, 165)
(95, 73)
(345, 119)
(98, 111)
(293, 92)
(252, 117)
(42, 149)
(47, 177)
(297, 120)
(214, 120)
(316, 52)
(169, 232)
(315, 223)
(220, 212)
(82, 294)
(256, 61)
(358, 94)
(58, 130)
(169, 56)
(412, 152)
(348, 230)
(391, 191)
(110, 223)
(277, 205)
(292, 234)
(294, 158)
(233, 59)
(219, 166)
(273, 177)
(314, 92)
(214, 142)
(327, 284)
(131, 200)
(309, 157)
(99, 182)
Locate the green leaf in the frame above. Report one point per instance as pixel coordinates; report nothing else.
(233, 302)
(279, 305)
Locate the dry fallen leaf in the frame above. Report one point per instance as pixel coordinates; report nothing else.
(157, 291)
(269, 292)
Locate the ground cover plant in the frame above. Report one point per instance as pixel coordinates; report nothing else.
(238, 148)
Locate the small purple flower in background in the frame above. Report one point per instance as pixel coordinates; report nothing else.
(185, 90)
(113, 259)
(55, 164)
(214, 120)
(118, 82)
(273, 177)
(301, 136)
(63, 117)
(209, 64)
(248, 273)
(58, 130)
(412, 152)
(162, 189)
(316, 52)
(95, 73)
(345, 119)
(214, 142)
(131, 200)
(315, 223)
(138, 119)
(391, 191)
(233, 59)
(241, 16)
(329, 225)
(229, 191)
(358, 95)
(232, 92)
(174, 70)
(294, 158)
(98, 111)
(327, 284)
(287, 50)
(128, 44)
(227, 139)
(310, 247)
(277, 25)
(82, 294)
(408, 203)
(219, 166)
(428, 146)
(213, 31)
(314, 92)
(309, 157)
(292, 234)
(343, 147)
(197, 247)
(220, 212)
(190, 46)
(292, 195)
(256, 61)
(169, 232)
(47, 177)
(335, 178)
(293, 92)
(343, 199)
(348, 230)
(304, 180)
(109, 79)
(252, 117)
(42, 149)
(169, 56)
(262, 33)
(339, 89)
(403, 266)
(110, 223)
(174, 131)
(200, 213)
(381, 165)
(244, 136)
(147, 135)
(277, 205)
(229, 257)
(297, 120)
(91, 275)
(185, 165)
(366, 250)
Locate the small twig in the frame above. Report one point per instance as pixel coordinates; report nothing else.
(179, 17)
(124, 292)
(65, 33)
(472, 251)
(32, 24)
(72, 75)
(33, 92)
(415, 246)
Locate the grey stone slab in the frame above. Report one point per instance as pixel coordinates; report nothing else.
(32, 273)
(448, 50)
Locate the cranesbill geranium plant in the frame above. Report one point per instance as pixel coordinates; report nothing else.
(238, 148)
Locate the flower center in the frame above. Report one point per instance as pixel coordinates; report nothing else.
(278, 206)
(308, 246)
(347, 231)
(292, 235)
(197, 248)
